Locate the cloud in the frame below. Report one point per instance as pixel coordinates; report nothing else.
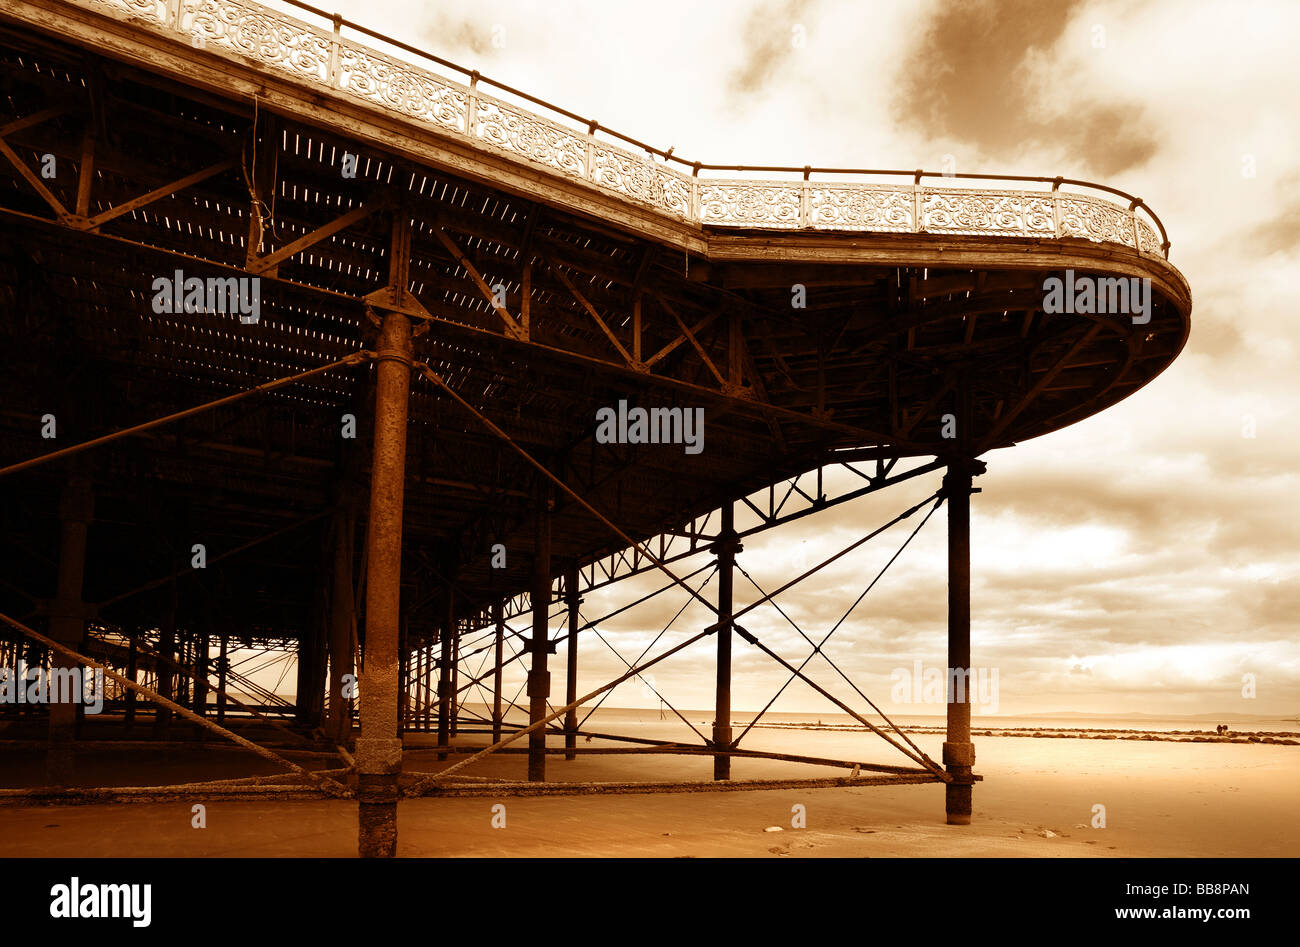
(768, 38)
(973, 81)
(1140, 560)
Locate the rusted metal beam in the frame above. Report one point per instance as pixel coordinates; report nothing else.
(512, 326)
(86, 171)
(496, 788)
(1082, 342)
(671, 346)
(157, 194)
(262, 263)
(36, 118)
(37, 184)
(595, 317)
(690, 336)
(352, 359)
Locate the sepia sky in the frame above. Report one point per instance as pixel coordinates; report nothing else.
(1140, 561)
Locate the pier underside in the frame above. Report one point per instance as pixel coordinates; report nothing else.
(439, 470)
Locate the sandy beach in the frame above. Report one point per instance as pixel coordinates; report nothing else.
(1037, 800)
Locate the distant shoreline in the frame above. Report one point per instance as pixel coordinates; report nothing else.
(1283, 738)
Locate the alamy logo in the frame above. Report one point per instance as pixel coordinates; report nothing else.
(922, 685)
(233, 294)
(1098, 296)
(77, 900)
(651, 426)
(35, 685)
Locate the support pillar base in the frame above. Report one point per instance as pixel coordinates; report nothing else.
(539, 689)
(958, 759)
(721, 764)
(957, 799)
(377, 815)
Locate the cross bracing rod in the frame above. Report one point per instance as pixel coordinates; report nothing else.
(353, 359)
(326, 784)
(629, 561)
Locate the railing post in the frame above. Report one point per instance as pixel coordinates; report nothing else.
(471, 109)
(1056, 208)
(805, 214)
(588, 171)
(332, 79)
(916, 203)
(695, 192)
(1133, 223)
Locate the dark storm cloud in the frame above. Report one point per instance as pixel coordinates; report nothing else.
(967, 80)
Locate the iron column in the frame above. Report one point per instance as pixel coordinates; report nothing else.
(444, 672)
(726, 549)
(379, 750)
(539, 678)
(958, 750)
(131, 660)
(455, 674)
(572, 601)
(496, 674)
(67, 626)
(342, 615)
(223, 663)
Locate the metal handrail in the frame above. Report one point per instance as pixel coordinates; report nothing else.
(278, 40)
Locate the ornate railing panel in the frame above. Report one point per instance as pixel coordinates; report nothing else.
(246, 29)
(750, 204)
(884, 207)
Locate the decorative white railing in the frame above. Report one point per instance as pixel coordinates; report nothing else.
(246, 29)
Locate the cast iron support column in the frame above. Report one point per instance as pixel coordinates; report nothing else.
(572, 601)
(68, 626)
(379, 750)
(131, 671)
(726, 549)
(163, 666)
(539, 645)
(201, 646)
(223, 663)
(342, 615)
(444, 671)
(958, 750)
(496, 674)
(455, 676)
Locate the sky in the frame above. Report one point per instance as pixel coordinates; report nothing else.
(1141, 561)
